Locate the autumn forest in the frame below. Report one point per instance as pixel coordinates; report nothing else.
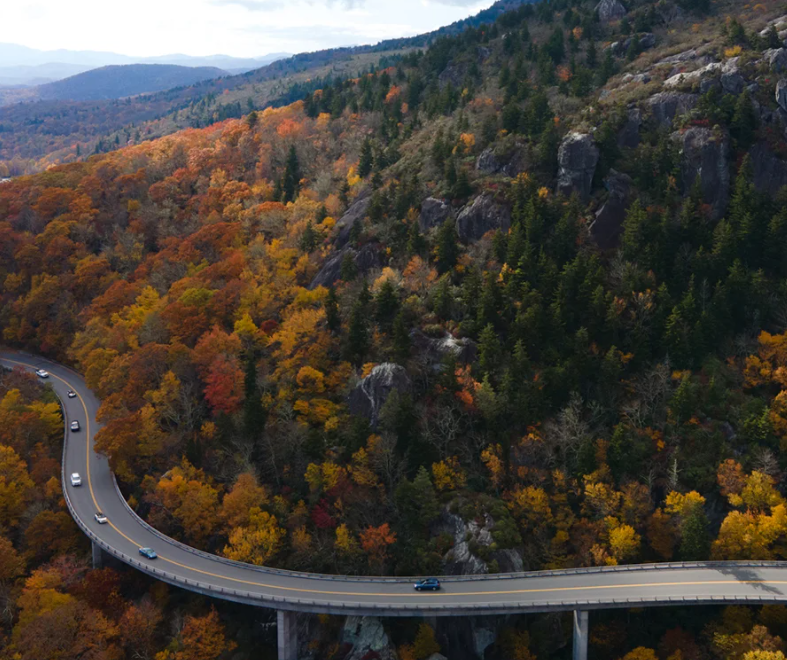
(399, 327)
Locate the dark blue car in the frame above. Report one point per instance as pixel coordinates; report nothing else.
(429, 584)
(150, 553)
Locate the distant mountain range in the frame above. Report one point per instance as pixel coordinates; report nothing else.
(118, 81)
(23, 66)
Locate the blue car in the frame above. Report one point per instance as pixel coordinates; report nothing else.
(429, 584)
(150, 553)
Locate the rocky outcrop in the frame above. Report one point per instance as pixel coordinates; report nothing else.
(366, 259)
(692, 77)
(665, 106)
(704, 154)
(368, 639)
(781, 93)
(355, 213)
(577, 159)
(628, 136)
(510, 162)
(460, 560)
(610, 10)
(482, 215)
(433, 351)
(369, 396)
(646, 41)
(777, 59)
(608, 225)
(434, 212)
(770, 172)
(732, 81)
(483, 638)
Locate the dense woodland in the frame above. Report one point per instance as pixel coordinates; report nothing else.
(608, 406)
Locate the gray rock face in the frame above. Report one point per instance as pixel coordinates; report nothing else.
(483, 214)
(608, 225)
(770, 172)
(705, 155)
(509, 163)
(432, 351)
(629, 134)
(665, 106)
(610, 10)
(733, 82)
(577, 159)
(367, 636)
(646, 41)
(669, 13)
(781, 93)
(355, 213)
(483, 638)
(777, 59)
(459, 560)
(707, 84)
(370, 395)
(366, 259)
(434, 212)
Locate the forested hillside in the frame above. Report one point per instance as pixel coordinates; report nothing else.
(516, 301)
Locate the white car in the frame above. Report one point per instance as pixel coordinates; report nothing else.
(71, 394)
(42, 373)
(75, 425)
(76, 480)
(101, 519)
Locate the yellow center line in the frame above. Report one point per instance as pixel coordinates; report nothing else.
(643, 585)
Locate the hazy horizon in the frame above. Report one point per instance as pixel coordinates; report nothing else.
(235, 28)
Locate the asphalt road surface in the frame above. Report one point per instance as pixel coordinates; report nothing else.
(597, 588)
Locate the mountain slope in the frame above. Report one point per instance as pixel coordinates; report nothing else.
(513, 302)
(117, 81)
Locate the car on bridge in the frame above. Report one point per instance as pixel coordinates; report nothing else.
(429, 584)
(76, 480)
(71, 394)
(75, 425)
(42, 373)
(150, 553)
(101, 519)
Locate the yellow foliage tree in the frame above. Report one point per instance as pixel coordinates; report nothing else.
(258, 542)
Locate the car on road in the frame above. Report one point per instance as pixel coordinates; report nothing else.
(71, 394)
(150, 553)
(42, 373)
(76, 480)
(75, 425)
(429, 584)
(101, 519)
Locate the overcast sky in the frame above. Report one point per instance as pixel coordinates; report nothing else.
(243, 28)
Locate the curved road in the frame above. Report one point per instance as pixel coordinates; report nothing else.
(581, 589)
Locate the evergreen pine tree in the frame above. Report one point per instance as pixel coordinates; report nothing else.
(447, 248)
(386, 305)
(401, 339)
(332, 317)
(357, 335)
(291, 180)
(367, 159)
(309, 238)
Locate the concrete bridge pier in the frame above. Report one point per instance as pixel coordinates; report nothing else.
(98, 555)
(580, 635)
(287, 633)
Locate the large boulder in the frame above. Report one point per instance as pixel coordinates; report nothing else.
(368, 639)
(770, 172)
(665, 106)
(366, 259)
(577, 159)
(646, 41)
(507, 160)
(781, 93)
(610, 10)
(686, 79)
(777, 59)
(480, 216)
(608, 225)
(434, 212)
(369, 396)
(705, 154)
(354, 213)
